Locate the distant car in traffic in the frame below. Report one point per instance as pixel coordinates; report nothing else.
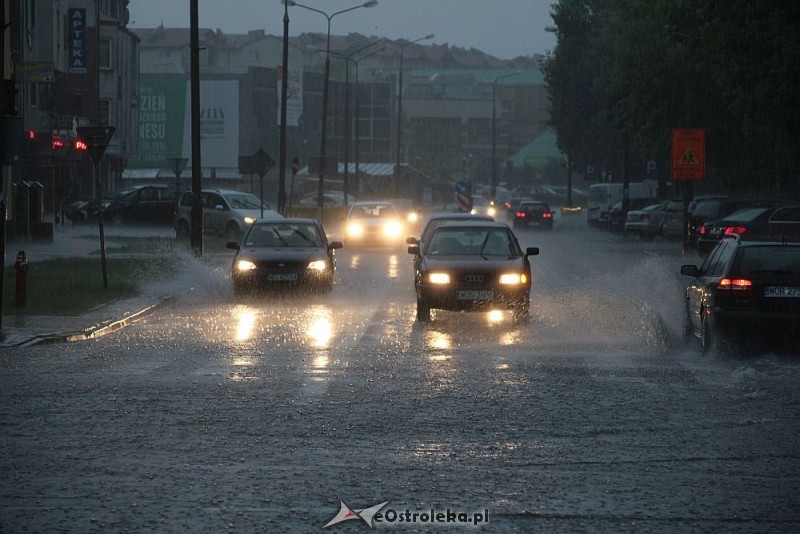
(533, 214)
(226, 213)
(744, 288)
(751, 223)
(472, 266)
(482, 206)
(373, 223)
(286, 253)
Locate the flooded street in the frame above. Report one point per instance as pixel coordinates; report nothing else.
(263, 413)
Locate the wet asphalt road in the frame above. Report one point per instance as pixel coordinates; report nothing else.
(219, 414)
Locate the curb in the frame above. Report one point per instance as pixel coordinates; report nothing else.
(92, 332)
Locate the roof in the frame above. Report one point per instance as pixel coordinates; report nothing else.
(539, 152)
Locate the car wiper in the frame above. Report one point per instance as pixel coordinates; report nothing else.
(483, 245)
(285, 243)
(304, 236)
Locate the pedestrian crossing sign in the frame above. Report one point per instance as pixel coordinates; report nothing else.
(688, 154)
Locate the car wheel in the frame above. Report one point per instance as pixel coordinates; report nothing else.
(708, 335)
(182, 229)
(423, 311)
(232, 233)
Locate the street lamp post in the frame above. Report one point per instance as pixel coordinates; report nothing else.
(347, 59)
(323, 133)
(493, 191)
(398, 154)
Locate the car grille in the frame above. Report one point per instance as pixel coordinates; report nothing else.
(277, 267)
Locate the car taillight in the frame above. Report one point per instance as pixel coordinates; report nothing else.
(702, 230)
(521, 214)
(547, 215)
(735, 284)
(735, 230)
(508, 205)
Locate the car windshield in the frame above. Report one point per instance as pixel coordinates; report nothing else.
(244, 201)
(433, 224)
(296, 235)
(372, 211)
(481, 242)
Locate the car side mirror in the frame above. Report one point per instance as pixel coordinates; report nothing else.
(335, 244)
(412, 241)
(414, 249)
(690, 270)
(233, 245)
(532, 251)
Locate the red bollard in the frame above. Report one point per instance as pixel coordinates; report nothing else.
(21, 267)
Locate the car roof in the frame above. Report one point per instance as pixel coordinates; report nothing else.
(474, 224)
(291, 220)
(461, 216)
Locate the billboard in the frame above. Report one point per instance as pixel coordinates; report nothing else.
(165, 122)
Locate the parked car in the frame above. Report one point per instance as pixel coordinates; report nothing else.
(144, 204)
(534, 213)
(616, 218)
(649, 221)
(750, 223)
(226, 213)
(285, 253)
(375, 223)
(744, 288)
(473, 266)
(715, 208)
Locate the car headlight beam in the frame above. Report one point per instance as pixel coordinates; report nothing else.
(355, 230)
(513, 279)
(318, 265)
(249, 220)
(439, 278)
(393, 229)
(245, 265)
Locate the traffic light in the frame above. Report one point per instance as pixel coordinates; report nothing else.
(8, 98)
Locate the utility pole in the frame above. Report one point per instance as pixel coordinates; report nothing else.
(197, 169)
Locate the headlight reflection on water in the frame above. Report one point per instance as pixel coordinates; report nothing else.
(246, 320)
(320, 327)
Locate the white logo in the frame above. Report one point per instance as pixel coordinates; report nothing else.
(345, 513)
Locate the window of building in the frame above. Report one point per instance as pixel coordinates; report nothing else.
(105, 54)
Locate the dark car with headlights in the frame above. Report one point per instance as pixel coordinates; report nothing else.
(751, 223)
(286, 253)
(742, 289)
(472, 266)
(534, 213)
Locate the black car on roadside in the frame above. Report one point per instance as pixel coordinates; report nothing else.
(742, 290)
(284, 254)
(144, 204)
(473, 266)
(715, 208)
(752, 223)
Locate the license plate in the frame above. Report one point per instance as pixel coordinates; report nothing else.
(782, 291)
(281, 277)
(474, 295)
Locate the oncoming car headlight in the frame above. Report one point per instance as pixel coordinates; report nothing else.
(439, 278)
(412, 217)
(355, 229)
(318, 265)
(393, 229)
(249, 220)
(245, 265)
(513, 279)
(491, 211)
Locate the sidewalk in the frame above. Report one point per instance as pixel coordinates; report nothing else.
(20, 330)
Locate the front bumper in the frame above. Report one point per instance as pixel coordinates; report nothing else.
(470, 298)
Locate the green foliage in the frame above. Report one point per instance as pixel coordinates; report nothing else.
(72, 286)
(625, 73)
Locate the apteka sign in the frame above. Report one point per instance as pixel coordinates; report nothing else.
(77, 41)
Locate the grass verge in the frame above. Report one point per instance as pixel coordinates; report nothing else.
(72, 286)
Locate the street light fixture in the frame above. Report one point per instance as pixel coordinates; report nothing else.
(493, 191)
(323, 134)
(400, 111)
